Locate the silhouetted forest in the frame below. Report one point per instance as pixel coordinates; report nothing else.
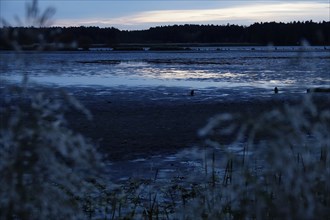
(277, 34)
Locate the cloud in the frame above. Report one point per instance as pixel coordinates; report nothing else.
(248, 13)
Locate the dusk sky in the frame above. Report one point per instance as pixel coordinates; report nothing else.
(138, 14)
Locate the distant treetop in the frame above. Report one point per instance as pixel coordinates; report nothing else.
(264, 33)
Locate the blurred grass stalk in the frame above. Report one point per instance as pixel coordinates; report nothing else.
(46, 169)
(287, 174)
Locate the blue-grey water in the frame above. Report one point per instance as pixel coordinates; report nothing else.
(237, 70)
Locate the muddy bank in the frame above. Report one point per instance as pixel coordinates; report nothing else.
(134, 124)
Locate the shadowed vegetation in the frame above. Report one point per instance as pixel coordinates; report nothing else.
(167, 37)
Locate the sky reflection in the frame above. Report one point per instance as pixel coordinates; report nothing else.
(193, 70)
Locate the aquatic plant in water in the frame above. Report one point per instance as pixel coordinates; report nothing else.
(284, 172)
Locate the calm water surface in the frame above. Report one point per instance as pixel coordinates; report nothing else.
(238, 70)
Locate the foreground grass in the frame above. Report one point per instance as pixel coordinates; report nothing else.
(283, 172)
(48, 171)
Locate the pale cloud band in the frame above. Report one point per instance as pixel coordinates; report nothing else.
(247, 14)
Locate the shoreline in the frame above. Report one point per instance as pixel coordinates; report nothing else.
(131, 123)
(143, 125)
(154, 130)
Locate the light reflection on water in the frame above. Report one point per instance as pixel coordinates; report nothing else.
(178, 74)
(258, 69)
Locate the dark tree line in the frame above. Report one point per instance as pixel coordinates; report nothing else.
(84, 37)
(57, 37)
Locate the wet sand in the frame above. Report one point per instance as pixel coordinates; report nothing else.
(143, 131)
(142, 123)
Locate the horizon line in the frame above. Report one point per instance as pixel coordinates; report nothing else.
(168, 25)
